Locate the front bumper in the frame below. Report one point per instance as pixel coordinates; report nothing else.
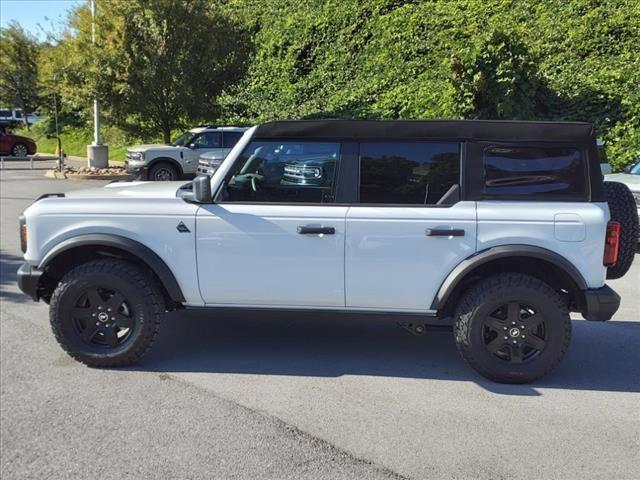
(134, 167)
(29, 280)
(600, 304)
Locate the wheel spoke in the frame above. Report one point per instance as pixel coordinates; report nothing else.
(115, 301)
(110, 337)
(534, 321)
(123, 321)
(535, 342)
(513, 312)
(496, 344)
(90, 331)
(495, 324)
(81, 313)
(516, 353)
(94, 298)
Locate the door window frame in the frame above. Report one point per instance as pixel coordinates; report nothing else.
(347, 156)
(461, 175)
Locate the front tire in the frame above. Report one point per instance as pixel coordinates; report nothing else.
(106, 313)
(512, 328)
(163, 172)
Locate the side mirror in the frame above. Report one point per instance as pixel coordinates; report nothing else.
(627, 169)
(193, 146)
(202, 189)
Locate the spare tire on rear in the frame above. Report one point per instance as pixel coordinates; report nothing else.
(622, 207)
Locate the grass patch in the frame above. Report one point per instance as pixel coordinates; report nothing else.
(75, 141)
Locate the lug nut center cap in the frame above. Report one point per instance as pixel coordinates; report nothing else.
(514, 332)
(103, 317)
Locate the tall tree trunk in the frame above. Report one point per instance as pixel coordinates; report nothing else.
(166, 131)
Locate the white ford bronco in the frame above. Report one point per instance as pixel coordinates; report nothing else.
(498, 229)
(180, 158)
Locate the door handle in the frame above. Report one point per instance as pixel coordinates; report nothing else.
(316, 230)
(445, 232)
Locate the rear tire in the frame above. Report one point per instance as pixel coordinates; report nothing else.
(512, 328)
(163, 172)
(622, 207)
(106, 313)
(19, 150)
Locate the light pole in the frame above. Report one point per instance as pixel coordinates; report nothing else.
(97, 154)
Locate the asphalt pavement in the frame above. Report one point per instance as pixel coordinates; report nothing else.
(284, 398)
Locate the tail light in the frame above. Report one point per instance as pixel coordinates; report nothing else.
(23, 234)
(611, 244)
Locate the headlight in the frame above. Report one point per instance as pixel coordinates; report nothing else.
(136, 156)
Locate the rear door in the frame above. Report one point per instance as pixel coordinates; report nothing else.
(408, 229)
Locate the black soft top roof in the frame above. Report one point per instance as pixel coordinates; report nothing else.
(492, 130)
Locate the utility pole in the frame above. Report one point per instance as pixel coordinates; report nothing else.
(97, 154)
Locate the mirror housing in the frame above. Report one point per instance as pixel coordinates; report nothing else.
(627, 169)
(192, 146)
(202, 189)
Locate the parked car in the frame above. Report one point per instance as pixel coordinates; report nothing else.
(180, 158)
(630, 178)
(498, 229)
(210, 161)
(13, 117)
(16, 145)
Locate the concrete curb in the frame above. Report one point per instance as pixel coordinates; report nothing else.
(85, 176)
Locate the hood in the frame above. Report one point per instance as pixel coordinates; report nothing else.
(131, 190)
(631, 181)
(150, 146)
(22, 139)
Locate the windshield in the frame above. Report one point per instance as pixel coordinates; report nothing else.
(635, 170)
(183, 139)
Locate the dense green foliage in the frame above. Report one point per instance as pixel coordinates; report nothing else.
(163, 64)
(19, 66)
(504, 59)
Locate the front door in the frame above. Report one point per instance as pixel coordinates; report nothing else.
(408, 230)
(203, 143)
(274, 237)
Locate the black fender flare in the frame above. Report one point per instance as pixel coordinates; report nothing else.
(503, 251)
(137, 249)
(169, 160)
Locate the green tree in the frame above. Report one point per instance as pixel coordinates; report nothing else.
(157, 64)
(19, 67)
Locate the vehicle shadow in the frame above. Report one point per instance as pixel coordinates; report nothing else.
(9, 265)
(602, 356)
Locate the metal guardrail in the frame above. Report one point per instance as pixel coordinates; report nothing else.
(29, 158)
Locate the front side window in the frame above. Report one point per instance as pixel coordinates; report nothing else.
(283, 172)
(208, 140)
(534, 171)
(182, 140)
(407, 173)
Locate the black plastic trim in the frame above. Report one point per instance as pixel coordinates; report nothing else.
(29, 280)
(503, 251)
(148, 256)
(600, 304)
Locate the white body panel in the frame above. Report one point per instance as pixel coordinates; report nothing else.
(253, 255)
(574, 230)
(143, 213)
(390, 262)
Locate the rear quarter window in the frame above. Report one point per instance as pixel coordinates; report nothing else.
(534, 171)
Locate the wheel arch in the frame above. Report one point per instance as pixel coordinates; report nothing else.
(535, 261)
(77, 250)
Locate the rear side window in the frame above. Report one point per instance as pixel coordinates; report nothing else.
(407, 173)
(513, 171)
(229, 139)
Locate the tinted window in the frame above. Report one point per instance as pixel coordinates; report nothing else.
(416, 173)
(5, 113)
(533, 171)
(231, 138)
(208, 140)
(290, 172)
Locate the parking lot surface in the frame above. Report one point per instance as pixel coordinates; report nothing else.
(246, 398)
